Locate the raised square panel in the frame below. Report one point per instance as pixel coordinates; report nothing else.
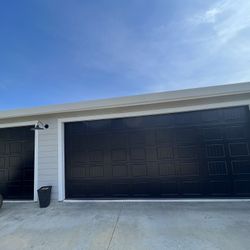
(242, 187)
(77, 127)
(2, 176)
(165, 152)
(169, 188)
(241, 167)
(238, 149)
(120, 170)
(191, 188)
(215, 150)
(136, 138)
(77, 172)
(77, 144)
(186, 135)
(79, 156)
(28, 146)
(96, 189)
(151, 154)
(119, 140)
(135, 122)
(212, 115)
(2, 148)
(96, 155)
(2, 165)
(98, 125)
(140, 189)
(189, 168)
(164, 135)
(119, 154)
(14, 174)
(217, 168)
(219, 188)
(139, 170)
(187, 151)
(117, 124)
(137, 154)
(167, 168)
(235, 114)
(187, 118)
(28, 174)
(15, 147)
(215, 133)
(96, 140)
(120, 189)
(96, 171)
(236, 132)
(15, 162)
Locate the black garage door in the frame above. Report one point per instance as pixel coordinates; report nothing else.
(17, 163)
(191, 154)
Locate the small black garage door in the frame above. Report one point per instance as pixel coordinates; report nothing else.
(17, 163)
(191, 154)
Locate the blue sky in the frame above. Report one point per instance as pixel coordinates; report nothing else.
(65, 51)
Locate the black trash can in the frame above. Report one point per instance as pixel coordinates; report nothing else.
(44, 194)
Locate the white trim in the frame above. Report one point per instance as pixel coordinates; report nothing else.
(61, 121)
(136, 100)
(158, 200)
(61, 159)
(155, 111)
(17, 124)
(36, 165)
(23, 124)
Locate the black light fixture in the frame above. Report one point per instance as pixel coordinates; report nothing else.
(40, 126)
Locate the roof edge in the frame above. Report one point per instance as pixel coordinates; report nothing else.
(135, 100)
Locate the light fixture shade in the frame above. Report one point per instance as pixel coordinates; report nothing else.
(37, 127)
(40, 126)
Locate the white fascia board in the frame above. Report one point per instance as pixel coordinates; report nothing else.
(128, 101)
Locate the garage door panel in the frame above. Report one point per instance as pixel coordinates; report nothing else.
(192, 188)
(236, 132)
(120, 170)
(139, 170)
(121, 189)
(215, 150)
(238, 149)
(220, 188)
(242, 187)
(212, 133)
(164, 135)
(169, 188)
(235, 114)
(96, 171)
(17, 163)
(241, 167)
(187, 152)
(168, 168)
(3, 175)
(192, 154)
(217, 167)
(189, 168)
(2, 162)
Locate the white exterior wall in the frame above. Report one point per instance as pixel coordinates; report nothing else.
(47, 156)
(49, 151)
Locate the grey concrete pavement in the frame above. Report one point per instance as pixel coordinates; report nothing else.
(126, 226)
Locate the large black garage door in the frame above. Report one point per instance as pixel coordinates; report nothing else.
(191, 154)
(17, 163)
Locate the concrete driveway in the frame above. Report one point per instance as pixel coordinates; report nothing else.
(205, 225)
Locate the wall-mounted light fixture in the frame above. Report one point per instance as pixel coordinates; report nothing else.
(40, 126)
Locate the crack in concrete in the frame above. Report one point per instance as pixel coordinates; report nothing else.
(113, 232)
